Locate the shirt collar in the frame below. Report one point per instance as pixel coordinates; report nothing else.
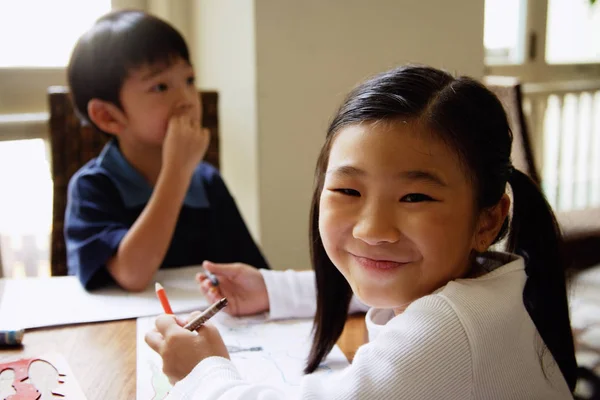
(133, 187)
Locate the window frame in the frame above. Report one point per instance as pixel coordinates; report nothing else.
(535, 68)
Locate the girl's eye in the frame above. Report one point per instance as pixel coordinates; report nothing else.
(348, 192)
(161, 87)
(415, 198)
(191, 80)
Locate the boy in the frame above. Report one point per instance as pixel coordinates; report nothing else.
(147, 201)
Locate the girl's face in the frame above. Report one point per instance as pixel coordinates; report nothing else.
(397, 212)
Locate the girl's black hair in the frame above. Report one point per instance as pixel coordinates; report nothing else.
(117, 43)
(470, 119)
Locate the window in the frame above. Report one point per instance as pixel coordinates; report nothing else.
(552, 46)
(41, 33)
(504, 31)
(573, 32)
(25, 207)
(36, 38)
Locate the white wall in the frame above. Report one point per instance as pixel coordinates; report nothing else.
(283, 66)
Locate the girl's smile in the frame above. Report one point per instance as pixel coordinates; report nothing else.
(378, 265)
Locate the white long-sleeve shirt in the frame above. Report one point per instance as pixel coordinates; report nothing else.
(471, 339)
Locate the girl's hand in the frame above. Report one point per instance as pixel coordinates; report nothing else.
(242, 284)
(181, 350)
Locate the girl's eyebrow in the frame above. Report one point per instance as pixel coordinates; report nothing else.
(413, 175)
(426, 176)
(346, 170)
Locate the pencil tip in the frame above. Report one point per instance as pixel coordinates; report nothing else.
(157, 286)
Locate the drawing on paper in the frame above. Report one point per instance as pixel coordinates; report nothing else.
(272, 352)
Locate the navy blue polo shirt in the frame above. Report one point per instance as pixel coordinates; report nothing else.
(107, 195)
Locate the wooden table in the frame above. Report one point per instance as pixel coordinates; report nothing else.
(103, 357)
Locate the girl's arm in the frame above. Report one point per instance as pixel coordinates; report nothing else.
(421, 354)
(292, 294)
(285, 294)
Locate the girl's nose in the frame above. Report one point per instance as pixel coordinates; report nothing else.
(376, 226)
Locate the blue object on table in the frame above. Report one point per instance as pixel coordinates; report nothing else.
(11, 338)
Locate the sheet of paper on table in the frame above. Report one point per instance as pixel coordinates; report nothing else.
(268, 352)
(38, 302)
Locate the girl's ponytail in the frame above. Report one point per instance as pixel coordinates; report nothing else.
(535, 235)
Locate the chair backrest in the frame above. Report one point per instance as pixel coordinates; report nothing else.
(580, 228)
(73, 145)
(508, 90)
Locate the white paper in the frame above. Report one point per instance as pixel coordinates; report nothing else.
(38, 302)
(268, 352)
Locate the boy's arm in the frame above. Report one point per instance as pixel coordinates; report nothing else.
(96, 227)
(95, 224)
(144, 247)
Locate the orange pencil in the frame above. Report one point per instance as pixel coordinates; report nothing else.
(162, 296)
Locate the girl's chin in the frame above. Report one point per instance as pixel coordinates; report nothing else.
(378, 297)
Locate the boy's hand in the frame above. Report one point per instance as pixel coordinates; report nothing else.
(185, 143)
(242, 284)
(180, 349)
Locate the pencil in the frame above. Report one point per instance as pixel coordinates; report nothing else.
(206, 315)
(162, 296)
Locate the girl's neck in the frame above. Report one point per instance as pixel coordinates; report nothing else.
(476, 270)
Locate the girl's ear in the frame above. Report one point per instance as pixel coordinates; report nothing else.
(106, 116)
(489, 224)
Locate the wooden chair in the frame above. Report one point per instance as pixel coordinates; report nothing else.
(580, 228)
(73, 145)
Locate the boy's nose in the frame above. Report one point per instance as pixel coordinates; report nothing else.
(185, 99)
(183, 107)
(376, 227)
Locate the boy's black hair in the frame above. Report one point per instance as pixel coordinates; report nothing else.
(470, 119)
(117, 43)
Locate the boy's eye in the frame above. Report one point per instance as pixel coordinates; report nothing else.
(348, 192)
(191, 80)
(415, 198)
(161, 87)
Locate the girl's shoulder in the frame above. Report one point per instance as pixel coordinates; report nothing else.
(463, 301)
(502, 281)
(491, 299)
(477, 330)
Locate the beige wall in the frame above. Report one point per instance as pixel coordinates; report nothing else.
(282, 67)
(225, 57)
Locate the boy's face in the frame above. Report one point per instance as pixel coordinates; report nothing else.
(151, 95)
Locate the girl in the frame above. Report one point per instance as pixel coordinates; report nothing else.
(410, 194)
